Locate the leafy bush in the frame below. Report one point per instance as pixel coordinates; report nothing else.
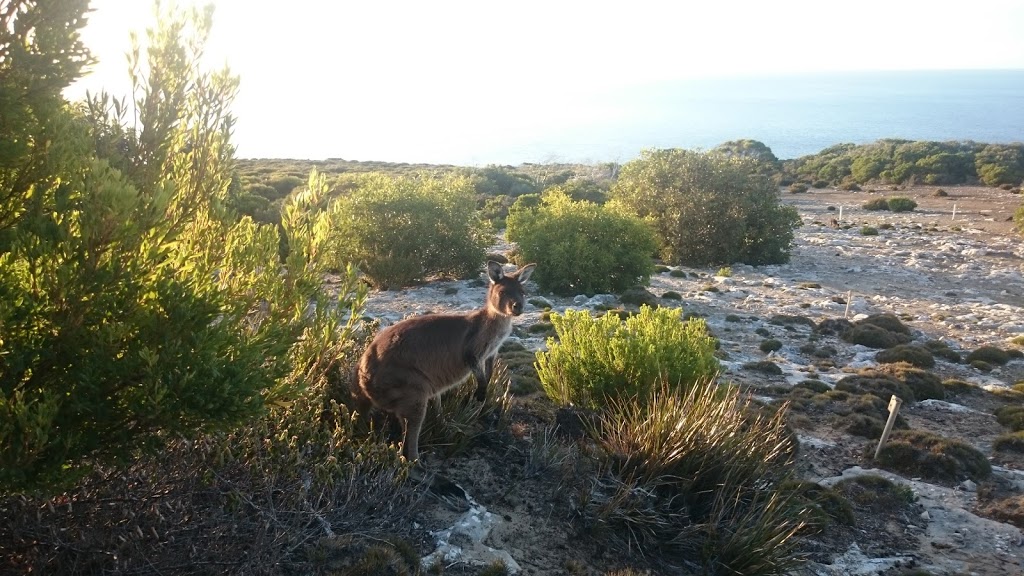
(901, 204)
(797, 188)
(400, 230)
(581, 247)
(708, 208)
(95, 270)
(594, 359)
(868, 231)
(876, 204)
(662, 456)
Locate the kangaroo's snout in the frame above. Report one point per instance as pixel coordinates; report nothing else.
(517, 308)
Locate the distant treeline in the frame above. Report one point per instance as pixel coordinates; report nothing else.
(261, 184)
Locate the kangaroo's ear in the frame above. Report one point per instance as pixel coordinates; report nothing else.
(494, 271)
(523, 274)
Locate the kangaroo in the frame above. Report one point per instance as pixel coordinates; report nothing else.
(418, 358)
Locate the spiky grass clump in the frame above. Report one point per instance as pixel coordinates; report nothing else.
(593, 359)
(699, 473)
(455, 419)
(924, 454)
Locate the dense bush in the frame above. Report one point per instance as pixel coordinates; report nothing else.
(901, 204)
(876, 204)
(917, 355)
(101, 261)
(905, 161)
(920, 453)
(400, 230)
(661, 457)
(595, 359)
(990, 354)
(581, 247)
(708, 208)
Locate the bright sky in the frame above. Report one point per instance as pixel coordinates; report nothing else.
(440, 81)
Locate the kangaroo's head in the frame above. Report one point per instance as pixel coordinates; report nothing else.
(506, 295)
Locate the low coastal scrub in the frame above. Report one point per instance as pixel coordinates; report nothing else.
(581, 247)
(593, 359)
(402, 230)
(899, 161)
(708, 208)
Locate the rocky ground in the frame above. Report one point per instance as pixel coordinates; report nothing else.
(954, 277)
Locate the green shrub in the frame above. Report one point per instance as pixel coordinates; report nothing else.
(284, 185)
(136, 310)
(401, 230)
(874, 336)
(1012, 442)
(868, 231)
(593, 359)
(942, 350)
(887, 321)
(849, 186)
(764, 367)
(1011, 416)
(901, 204)
(797, 188)
(925, 385)
(770, 345)
(724, 271)
(876, 204)
(932, 457)
(664, 454)
(981, 365)
(917, 355)
(880, 385)
(990, 355)
(940, 193)
(581, 247)
(708, 208)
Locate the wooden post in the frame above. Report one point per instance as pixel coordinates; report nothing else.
(849, 298)
(954, 212)
(894, 410)
(840, 214)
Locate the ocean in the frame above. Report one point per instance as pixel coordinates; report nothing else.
(793, 115)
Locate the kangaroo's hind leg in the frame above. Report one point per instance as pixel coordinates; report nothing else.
(412, 416)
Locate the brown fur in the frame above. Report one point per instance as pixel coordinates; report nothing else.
(416, 359)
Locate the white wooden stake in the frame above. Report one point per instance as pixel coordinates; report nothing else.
(840, 213)
(894, 410)
(849, 298)
(954, 212)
